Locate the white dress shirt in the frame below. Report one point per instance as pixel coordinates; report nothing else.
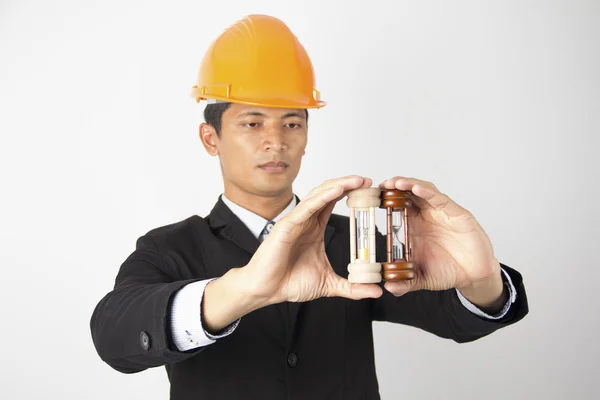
(186, 323)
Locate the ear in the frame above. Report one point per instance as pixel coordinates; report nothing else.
(209, 138)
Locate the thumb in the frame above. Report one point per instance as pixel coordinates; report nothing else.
(354, 291)
(399, 288)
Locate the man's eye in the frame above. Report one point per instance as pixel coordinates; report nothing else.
(293, 126)
(252, 124)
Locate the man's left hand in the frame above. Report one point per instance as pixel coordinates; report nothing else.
(449, 248)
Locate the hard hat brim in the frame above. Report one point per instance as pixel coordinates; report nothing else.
(270, 104)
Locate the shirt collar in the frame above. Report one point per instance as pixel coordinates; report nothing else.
(255, 222)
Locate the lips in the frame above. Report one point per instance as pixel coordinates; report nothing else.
(274, 167)
(274, 164)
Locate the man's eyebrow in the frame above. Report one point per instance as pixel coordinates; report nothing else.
(294, 114)
(259, 114)
(251, 113)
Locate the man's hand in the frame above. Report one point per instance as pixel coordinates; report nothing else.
(291, 264)
(449, 247)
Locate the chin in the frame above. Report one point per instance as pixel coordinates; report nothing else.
(271, 188)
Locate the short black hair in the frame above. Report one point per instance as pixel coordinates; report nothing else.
(213, 115)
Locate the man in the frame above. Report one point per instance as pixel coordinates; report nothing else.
(253, 301)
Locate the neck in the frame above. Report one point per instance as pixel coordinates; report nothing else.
(267, 207)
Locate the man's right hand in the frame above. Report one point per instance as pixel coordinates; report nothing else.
(290, 265)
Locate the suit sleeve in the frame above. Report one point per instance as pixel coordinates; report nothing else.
(442, 313)
(130, 326)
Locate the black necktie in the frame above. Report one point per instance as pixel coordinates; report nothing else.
(267, 229)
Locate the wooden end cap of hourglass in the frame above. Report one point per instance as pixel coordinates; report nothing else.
(364, 272)
(364, 198)
(397, 199)
(399, 270)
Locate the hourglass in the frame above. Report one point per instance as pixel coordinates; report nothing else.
(363, 267)
(399, 266)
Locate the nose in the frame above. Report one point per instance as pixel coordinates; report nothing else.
(274, 140)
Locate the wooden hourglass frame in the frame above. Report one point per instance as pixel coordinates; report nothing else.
(398, 265)
(363, 267)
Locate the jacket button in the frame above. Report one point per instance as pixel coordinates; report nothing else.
(292, 360)
(145, 340)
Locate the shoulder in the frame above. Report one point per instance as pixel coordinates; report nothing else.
(176, 232)
(176, 228)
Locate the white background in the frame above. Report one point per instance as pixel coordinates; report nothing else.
(496, 102)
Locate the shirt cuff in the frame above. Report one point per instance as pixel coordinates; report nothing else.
(512, 297)
(186, 321)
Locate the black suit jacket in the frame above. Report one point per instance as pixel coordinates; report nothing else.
(321, 349)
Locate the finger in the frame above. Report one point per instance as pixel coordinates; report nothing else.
(408, 183)
(329, 192)
(325, 185)
(328, 210)
(325, 214)
(368, 182)
(389, 183)
(438, 201)
(428, 195)
(400, 288)
(347, 183)
(405, 184)
(354, 291)
(360, 181)
(311, 206)
(316, 202)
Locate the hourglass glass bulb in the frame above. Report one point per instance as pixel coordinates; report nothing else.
(398, 248)
(362, 231)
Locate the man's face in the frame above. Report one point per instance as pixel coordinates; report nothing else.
(260, 148)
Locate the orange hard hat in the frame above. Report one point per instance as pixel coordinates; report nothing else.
(258, 61)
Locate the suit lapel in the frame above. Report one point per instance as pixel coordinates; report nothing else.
(232, 228)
